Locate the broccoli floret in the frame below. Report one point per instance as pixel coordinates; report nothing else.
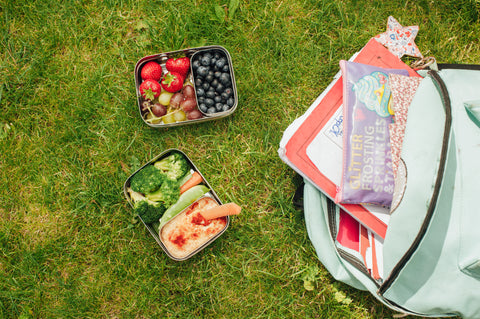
(167, 194)
(147, 180)
(148, 210)
(174, 166)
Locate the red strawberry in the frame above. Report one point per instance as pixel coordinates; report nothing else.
(151, 71)
(172, 81)
(150, 89)
(180, 65)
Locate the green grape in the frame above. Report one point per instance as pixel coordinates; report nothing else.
(179, 116)
(164, 98)
(169, 118)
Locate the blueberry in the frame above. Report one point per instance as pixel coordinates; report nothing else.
(228, 91)
(200, 92)
(210, 94)
(205, 60)
(203, 107)
(209, 78)
(195, 64)
(211, 110)
(217, 99)
(200, 99)
(225, 107)
(217, 55)
(224, 96)
(202, 71)
(218, 74)
(226, 68)
(214, 83)
(220, 88)
(210, 102)
(230, 101)
(198, 82)
(221, 63)
(205, 85)
(225, 78)
(218, 107)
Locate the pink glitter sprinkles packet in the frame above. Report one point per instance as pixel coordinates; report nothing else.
(367, 176)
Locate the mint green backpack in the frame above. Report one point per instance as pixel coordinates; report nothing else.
(431, 252)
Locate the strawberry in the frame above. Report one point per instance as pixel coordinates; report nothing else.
(172, 81)
(180, 65)
(151, 71)
(150, 89)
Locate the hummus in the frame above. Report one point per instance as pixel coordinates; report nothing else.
(188, 231)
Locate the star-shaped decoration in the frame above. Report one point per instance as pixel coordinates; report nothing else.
(399, 40)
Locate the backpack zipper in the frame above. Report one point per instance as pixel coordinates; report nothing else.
(442, 66)
(441, 87)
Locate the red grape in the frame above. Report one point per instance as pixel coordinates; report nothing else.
(176, 99)
(188, 92)
(159, 110)
(194, 114)
(188, 105)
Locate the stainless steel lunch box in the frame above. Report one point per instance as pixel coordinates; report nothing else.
(161, 58)
(154, 232)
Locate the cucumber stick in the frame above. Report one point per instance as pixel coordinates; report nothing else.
(183, 202)
(185, 178)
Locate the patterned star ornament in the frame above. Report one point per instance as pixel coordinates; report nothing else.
(399, 40)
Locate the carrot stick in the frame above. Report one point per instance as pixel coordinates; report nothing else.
(221, 210)
(192, 181)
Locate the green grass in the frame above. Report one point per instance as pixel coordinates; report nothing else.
(70, 135)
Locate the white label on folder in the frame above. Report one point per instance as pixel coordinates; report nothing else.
(334, 128)
(325, 150)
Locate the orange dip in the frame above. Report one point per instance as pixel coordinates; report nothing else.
(188, 231)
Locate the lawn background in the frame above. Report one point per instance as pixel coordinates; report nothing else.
(70, 135)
